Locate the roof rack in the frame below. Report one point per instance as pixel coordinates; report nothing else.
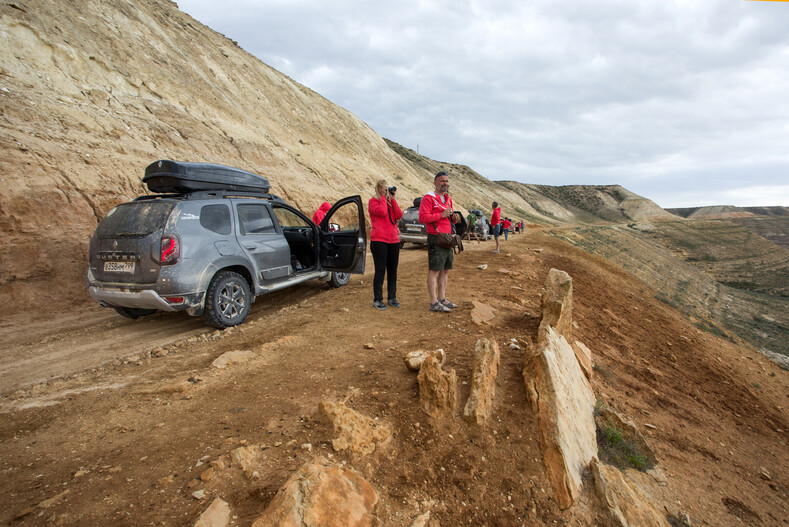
(211, 194)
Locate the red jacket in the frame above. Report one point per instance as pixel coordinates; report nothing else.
(506, 224)
(495, 219)
(317, 218)
(382, 214)
(430, 212)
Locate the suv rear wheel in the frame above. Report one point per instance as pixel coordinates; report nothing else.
(227, 300)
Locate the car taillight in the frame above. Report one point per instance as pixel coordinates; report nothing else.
(170, 250)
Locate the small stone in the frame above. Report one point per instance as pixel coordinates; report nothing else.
(208, 474)
(482, 267)
(650, 426)
(166, 480)
(198, 494)
(81, 472)
(369, 346)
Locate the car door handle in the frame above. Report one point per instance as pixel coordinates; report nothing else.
(251, 247)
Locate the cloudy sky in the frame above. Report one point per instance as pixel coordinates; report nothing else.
(685, 102)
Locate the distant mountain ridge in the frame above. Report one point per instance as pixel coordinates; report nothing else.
(728, 212)
(771, 223)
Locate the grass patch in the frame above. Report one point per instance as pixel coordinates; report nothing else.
(614, 448)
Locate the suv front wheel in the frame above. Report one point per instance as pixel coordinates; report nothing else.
(227, 301)
(339, 279)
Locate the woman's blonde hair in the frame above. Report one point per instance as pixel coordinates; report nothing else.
(380, 184)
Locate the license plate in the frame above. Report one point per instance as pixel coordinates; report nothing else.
(119, 267)
(413, 228)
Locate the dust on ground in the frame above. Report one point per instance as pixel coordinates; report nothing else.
(112, 421)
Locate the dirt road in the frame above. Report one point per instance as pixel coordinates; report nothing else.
(107, 421)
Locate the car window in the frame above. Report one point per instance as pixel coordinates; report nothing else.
(216, 218)
(255, 219)
(135, 220)
(288, 218)
(347, 217)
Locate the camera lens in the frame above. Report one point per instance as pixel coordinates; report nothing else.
(392, 190)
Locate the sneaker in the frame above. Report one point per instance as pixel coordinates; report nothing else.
(438, 306)
(377, 304)
(494, 251)
(447, 303)
(393, 302)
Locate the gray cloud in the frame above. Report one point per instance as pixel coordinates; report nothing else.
(677, 101)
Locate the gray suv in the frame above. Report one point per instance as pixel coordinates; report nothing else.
(211, 240)
(410, 228)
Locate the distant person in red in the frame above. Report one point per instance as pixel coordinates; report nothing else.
(435, 212)
(384, 243)
(495, 222)
(317, 218)
(505, 225)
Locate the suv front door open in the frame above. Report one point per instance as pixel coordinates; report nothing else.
(344, 249)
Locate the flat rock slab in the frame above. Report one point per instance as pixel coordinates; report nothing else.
(565, 404)
(482, 313)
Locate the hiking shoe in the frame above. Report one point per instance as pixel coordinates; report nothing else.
(494, 251)
(447, 303)
(393, 302)
(377, 304)
(438, 306)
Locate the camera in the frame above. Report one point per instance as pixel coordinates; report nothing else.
(392, 190)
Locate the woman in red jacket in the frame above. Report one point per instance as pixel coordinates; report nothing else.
(385, 243)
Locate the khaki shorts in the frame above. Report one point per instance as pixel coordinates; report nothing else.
(438, 258)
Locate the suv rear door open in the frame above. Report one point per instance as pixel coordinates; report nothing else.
(344, 250)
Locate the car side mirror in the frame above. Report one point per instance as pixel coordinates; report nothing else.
(334, 227)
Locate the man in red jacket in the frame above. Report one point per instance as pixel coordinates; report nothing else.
(435, 212)
(319, 214)
(495, 222)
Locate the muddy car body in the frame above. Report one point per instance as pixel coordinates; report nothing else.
(411, 230)
(212, 240)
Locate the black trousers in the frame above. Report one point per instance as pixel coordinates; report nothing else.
(386, 257)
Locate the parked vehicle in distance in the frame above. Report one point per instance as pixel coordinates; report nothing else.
(211, 240)
(482, 227)
(410, 229)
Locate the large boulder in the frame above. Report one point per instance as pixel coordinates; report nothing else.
(321, 494)
(438, 392)
(357, 433)
(557, 306)
(483, 381)
(625, 503)
(565, 403)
